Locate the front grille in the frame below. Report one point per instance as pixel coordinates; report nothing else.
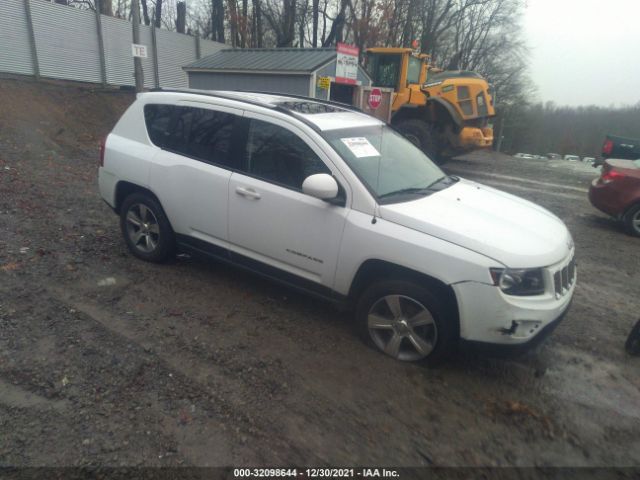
(564, 278)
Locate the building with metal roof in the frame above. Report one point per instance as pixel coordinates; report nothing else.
(278, 70)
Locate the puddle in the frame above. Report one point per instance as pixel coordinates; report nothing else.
(602, 385)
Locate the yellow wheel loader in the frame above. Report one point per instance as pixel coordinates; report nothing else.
(444, 113)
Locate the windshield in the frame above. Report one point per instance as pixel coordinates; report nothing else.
(391, 167)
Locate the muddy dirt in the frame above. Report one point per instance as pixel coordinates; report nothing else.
(107, 360)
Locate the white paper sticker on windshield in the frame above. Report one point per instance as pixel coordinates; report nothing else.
(360, 147)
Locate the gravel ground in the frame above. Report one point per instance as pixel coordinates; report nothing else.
(106, 360)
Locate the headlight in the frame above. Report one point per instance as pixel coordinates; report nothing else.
(522, 282)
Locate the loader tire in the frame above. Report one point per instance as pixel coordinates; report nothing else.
(424, 136)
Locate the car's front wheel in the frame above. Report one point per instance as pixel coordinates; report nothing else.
(633, 341)
(632, 220)
(405, 321)
(145, 228)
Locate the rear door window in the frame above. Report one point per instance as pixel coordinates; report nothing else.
(278, 155)
(198, 133)
(202, 134)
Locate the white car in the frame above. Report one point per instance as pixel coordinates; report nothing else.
(336, 203)
(572, 158)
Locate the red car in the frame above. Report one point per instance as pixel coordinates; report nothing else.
(617, 192)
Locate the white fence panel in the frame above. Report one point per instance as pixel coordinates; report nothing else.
(67, 46)
(67, 42)
(117, 39)
(207, 47)
(176, 50)
(15, 44)
(147, 63)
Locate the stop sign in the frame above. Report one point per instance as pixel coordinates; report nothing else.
(375, 98)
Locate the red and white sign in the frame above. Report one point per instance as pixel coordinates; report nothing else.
(347, 64)
(375, 98)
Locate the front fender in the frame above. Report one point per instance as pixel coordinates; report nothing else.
(398, 245)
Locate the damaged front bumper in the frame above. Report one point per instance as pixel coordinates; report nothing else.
(489, 317)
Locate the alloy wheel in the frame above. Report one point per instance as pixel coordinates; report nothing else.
(402, 327)
(635, 221)
(142, 228)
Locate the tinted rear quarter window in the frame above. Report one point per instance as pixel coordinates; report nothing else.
(157, 118)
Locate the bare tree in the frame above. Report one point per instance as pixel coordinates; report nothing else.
(157, 17)
(256, 31)
(337, 27)
(181, 17)
(281, 17)
(233, 21)
(303, 18)
(315, 14)
(217, 20)
(145, 13)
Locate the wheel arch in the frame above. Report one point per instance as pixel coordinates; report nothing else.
(374, 269)
(124, 189)
(633, 204)
(444, 112)
(436, 111)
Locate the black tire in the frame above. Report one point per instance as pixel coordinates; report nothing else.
(161, 245)
(424, 136)
(632, 346)
(632, 220)
(412, 296)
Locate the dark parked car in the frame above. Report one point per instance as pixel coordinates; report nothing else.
(619, 147)
(617, 192)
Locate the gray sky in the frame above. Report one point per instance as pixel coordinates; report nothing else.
(585, 51)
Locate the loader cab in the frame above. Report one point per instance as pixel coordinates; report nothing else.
(396, 68)
(384, 70)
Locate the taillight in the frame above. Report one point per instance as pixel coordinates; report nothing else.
(102, 147)
(607, 147)
(610, 176)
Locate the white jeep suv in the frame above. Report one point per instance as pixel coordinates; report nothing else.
(336, 203)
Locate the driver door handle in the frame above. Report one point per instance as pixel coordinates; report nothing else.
(248, 193)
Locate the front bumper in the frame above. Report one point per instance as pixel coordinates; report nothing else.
(605, 198)
(470, 138)
(507, 350)
(489, 316)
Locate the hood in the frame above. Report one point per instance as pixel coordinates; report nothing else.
(509, 229)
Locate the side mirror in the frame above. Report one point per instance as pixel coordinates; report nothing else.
(320, 185)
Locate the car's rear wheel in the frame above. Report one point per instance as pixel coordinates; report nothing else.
(145, 228)
(405, 321)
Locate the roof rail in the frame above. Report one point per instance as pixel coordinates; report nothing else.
(271, 106)
(345, 106)
(212, 93)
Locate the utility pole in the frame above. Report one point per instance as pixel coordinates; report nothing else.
(137, 61)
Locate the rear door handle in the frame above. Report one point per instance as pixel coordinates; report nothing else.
(248, 193)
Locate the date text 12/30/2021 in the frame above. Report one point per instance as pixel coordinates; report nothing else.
(315, 473)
